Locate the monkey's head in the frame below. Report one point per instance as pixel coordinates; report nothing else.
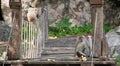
(32, 14)
(80, 38)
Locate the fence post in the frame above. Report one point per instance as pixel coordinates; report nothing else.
(97, 21)
(14, 44)
(45, 20)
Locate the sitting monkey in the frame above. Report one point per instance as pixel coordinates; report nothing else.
(83, 46)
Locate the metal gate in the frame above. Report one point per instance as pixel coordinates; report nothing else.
(34, 35)
(31, 41)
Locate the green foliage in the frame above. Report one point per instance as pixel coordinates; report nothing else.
(118, 62)
(64, 23)
(84, 29)
(63, 29)
(107, 28)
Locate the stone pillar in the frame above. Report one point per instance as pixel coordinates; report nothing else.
(14, 45)
(97, 21)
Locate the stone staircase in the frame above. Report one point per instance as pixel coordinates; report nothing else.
(59, 48)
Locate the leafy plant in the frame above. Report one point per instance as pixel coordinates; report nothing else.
(106, 28)
(63, 28)
(118, 62)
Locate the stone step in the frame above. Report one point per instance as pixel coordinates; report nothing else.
(61, 42)
(3, 44)
(58, 50)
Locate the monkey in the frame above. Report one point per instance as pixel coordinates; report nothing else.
(32, 15)
(83, 47)
(80, 48)
(79, 43)
(35, 3)
(78, 40)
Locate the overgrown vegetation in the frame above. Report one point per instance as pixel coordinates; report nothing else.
(63, 28)
(106, 28)
(118, 62)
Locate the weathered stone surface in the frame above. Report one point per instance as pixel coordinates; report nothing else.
(61, 42)
(118, 30)
(78, 10)
(6, 11)
(79, 13)
(74, 22)
(4, 32)
(113, 39)
(112, 14)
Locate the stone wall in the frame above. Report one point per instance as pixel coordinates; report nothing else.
(6, 11)
(112, 13)
(78, 11)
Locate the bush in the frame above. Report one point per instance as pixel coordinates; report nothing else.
(118, 62)
(63, 29)
(106, 28)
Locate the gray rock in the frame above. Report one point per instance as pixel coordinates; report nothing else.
(118, 30)
(113, 39)
(74, 22)
(4, 32)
